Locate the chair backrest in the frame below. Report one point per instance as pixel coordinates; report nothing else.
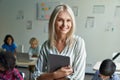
(22, 74)
(116, 56)
(20, 48)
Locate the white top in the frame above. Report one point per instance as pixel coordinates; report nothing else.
(34, 50)
(77, 54)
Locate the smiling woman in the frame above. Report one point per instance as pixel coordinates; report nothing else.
(63, 23)
(62, 41)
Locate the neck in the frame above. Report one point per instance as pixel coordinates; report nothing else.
(61, 37)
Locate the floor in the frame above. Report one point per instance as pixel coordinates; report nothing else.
(25, 70)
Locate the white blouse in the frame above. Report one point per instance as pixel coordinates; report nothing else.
(76, 52)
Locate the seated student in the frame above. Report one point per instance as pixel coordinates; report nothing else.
(34, 47)
(7, 67)
(106, 71)
(9, 44)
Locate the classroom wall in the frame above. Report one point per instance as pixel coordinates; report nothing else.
(97, 22)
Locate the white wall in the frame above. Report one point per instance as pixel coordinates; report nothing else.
(101, 41)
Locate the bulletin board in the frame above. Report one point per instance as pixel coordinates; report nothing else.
(44, 10)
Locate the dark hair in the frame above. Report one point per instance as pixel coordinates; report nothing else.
(7, 60)
(107, 67)
(6, 38)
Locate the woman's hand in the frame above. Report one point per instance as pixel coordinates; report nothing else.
(61, 73)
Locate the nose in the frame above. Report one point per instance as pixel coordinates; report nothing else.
(64, 23)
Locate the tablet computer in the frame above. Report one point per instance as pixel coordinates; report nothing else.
(57, 61)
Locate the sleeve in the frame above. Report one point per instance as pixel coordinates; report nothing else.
(40, 66)
(39, 48)
(30, 51)
(79, 62)
(116, 77)
(95, 76)
(17, 75)
(3, 46)
(14, 45)
(14, 48)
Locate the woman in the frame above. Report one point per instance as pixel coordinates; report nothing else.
(9, 45)
(62, 41)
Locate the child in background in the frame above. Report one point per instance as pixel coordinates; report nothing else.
(9, 45)
(106, 71)
(7, 67)
(34, 49)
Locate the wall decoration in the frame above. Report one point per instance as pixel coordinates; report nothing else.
(75, 10)
(117, 11)
(20, 15)
(110, 27)
(29, 25)
(44, 10)
(99, 9)
(89, 22)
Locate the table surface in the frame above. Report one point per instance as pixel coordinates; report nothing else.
(26, 64)
(30, 65)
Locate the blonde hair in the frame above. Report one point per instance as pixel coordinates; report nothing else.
(33, 39)
(54, 14)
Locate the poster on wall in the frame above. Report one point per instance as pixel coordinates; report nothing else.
(89, 22)
(44, 10)
(20, 15)
(75, 10)
(117, 11)
(98, 9)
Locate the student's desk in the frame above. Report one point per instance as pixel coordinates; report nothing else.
(30, 66)
(25, 64)
(97, 65)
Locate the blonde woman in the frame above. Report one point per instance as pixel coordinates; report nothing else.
(62, 41)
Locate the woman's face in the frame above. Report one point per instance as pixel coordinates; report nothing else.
(63, 23)
(9, 40)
